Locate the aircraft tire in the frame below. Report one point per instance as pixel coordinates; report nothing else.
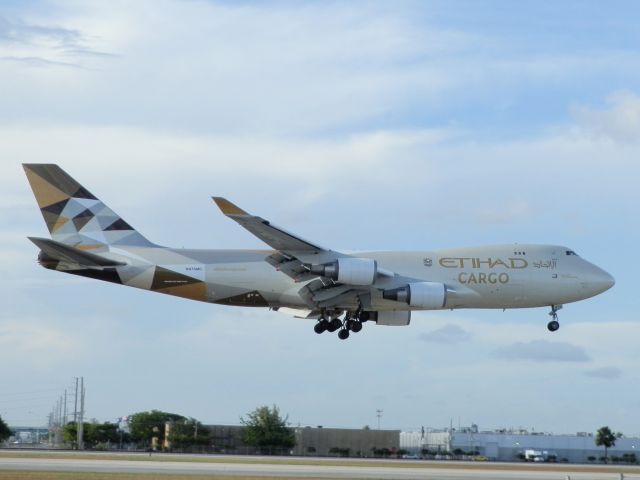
(343, 334)
(553, 325)
(319, 328)
(356, 327)
(335, 324)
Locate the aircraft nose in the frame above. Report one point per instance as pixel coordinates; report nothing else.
(602, 281)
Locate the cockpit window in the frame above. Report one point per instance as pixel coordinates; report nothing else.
(571, 252)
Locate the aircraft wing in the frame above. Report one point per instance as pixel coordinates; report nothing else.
(273, 236)
(294, 255)
(292, 252)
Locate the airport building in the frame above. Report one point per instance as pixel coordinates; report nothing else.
(512, 445)
(28, 435)
(315, 441)
(346, 442)
(506, 445)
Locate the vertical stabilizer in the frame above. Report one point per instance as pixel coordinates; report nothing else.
(73, 215)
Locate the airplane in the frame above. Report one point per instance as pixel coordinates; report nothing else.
(340, 291)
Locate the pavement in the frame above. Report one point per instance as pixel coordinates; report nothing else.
(418, 470)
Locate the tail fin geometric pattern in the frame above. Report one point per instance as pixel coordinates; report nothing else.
(73, 215)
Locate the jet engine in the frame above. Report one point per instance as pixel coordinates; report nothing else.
(427, 295)
(352, 271)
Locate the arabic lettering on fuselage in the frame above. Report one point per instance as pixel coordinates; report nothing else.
(550, 264)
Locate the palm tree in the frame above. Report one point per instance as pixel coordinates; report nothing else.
(607, 439)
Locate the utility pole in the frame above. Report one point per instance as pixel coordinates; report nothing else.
(50, 428)
(80, 424)
(378, 414)
(58, 422)
(64, 416)
(75, 406)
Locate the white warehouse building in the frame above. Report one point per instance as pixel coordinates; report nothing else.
(511, 445)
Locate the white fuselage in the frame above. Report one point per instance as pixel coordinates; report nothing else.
(505, 276)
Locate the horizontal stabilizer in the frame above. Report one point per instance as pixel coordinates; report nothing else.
(66, 253)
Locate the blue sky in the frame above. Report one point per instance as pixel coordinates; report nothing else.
(360, 125)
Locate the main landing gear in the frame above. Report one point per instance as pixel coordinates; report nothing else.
(554, 325)
(327, 325)
(352, 322)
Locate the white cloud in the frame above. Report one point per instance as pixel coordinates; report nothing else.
(499, 214)
(449, 334)
(230, 68)
(349, 125)
(607, 373)
(543, 351)
(618, 121)
(288, 69)
(35, 343)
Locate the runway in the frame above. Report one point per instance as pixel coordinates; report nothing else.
(326, 470)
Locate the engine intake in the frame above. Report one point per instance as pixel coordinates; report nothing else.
(352, 271)
(427, 295)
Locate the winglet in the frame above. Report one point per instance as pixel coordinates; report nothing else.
(227, 207)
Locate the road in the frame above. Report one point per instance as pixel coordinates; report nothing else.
(415, 471)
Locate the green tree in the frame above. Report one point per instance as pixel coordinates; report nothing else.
(146, 425)
(606, 438)
(5, 431)
(101, 433)
(187, 433)
(95, 434)
(266, 429)
(70, 433)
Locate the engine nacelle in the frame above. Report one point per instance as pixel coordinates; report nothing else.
(352, 271)
(427, 295)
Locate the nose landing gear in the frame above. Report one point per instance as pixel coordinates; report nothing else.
(554, 325)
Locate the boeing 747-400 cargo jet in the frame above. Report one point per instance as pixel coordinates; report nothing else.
(340, 291)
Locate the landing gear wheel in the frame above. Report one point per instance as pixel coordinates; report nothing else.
(334, 324)
(553, 325)
(321, 326)
(343, 334)
(356, 327)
